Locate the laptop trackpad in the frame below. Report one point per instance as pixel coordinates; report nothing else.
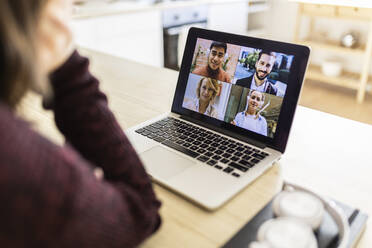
(161, 163)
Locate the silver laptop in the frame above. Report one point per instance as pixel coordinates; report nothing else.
(231, 115)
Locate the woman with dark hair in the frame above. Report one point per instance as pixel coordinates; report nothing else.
(49, 195)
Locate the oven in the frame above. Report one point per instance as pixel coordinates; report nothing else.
(176, 23)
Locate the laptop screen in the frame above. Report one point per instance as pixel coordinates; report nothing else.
(240, 85)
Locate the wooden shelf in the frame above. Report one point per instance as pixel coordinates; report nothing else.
(349, 80)
(337, 12)
(357, 81)
(333, 46)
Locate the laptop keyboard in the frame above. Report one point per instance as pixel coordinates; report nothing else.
(215, 150)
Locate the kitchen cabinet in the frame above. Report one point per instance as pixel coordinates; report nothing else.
(362, 53)
(134, 35)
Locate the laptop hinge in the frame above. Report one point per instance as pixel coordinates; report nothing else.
(225, 132)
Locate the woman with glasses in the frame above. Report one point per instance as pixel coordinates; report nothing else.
(251, 119)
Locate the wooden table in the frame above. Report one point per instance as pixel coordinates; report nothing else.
(327, 154)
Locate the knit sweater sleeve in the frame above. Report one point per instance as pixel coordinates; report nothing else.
(55, 199)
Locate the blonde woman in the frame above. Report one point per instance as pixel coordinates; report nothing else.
(250, 119)
(206, 92)
(49, 194)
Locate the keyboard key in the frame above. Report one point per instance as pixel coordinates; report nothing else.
(232, 146)
(255, 161)
(237, 166)
(230, 150)
(264, 154)
(180, 142)
(201, 150)
(190, 140)
(203, 158)
(235, 174)
(186, 144)
(194, 148)
(240, 149)
(212, 162)
(151, 136)
(211, 149)
(225, 143)
(258, 156)
(246, 157)
(216, 157)
(203, 145)
(245, 163)
(141, 130)
(145, 133)
(224, 160)
(228, 169)
(238, 154)
(156, 126)
(226, 155)
(159, 139)
(208, 154)
(159, 133)
(218, 152)
(223, 147)
(248, 152)
(180, 149)
(218, 167)
(196, 143)
(235, 158)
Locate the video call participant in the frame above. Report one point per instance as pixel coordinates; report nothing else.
(250, 119)
(214, 69)
(259, 81)
(206, 92)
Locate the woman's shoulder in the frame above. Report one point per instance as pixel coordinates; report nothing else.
(190, 103)
(239, 115)
(261, 118)
(18, 138)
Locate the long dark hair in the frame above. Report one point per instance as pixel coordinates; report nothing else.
(18, 27)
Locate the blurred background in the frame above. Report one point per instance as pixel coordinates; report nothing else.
(153, 32)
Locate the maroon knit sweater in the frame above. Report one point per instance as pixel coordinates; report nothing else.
(49, 196)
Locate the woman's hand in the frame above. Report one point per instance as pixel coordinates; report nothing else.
(54, 40)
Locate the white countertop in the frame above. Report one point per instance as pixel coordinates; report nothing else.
(349, 3)
(101, 8)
